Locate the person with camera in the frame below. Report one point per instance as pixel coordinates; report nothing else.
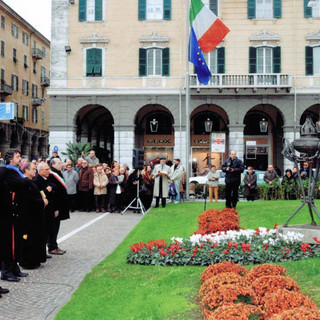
(161, 174)
(233, 168)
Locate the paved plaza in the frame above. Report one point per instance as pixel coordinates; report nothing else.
(88, 239)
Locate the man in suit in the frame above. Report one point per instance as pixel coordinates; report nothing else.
(233, 168)
(16, 183)
(4, 205)
(161, 174)
(61, 201)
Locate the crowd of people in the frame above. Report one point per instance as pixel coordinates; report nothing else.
(36, 196)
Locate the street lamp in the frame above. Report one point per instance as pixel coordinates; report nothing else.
(154, 125)
(208, 128)
(208, 125)
(263, 125)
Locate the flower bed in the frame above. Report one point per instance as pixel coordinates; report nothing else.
(243, 246)
(225, 296)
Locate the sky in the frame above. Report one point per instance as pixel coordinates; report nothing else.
(35, 12)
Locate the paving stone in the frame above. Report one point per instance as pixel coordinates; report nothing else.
(42, 294)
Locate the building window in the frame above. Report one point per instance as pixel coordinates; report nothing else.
(15, 31)
(213, 5)
(2, 76)
(34, 91)
(2, 48)
(34, 115)
(154, 10)
(42, 93)
(94, 62)
(25, 61)
(44, 52)
(25, 38)
(90, 10)
(42, 117)
(14, 53)
(25, 111)
(25, 87)
(264, 9)
(264, 60)
(43, 72)
(17, 110)
(14, 82)
(35, 67)
(154, 62)
(311, 12)
(312, 60)
(3, 22)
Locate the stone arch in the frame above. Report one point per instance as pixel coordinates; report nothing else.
(158, 138)
(94, 124)
(313, 111)
(268, 145)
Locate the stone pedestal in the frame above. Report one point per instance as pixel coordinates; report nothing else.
(307, 230)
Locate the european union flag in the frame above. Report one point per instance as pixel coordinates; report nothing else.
(197, 58)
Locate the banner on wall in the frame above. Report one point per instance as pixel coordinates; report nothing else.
(218, 142)
(6, 111)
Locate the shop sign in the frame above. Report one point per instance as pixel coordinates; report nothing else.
(218, 142)
(150, 140)
(6, 111)
(199, 140)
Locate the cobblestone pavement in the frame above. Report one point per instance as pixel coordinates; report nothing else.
(40, 295)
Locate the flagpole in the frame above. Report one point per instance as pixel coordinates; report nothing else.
(188, 166)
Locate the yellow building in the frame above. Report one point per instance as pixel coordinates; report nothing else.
(118, 78)
(24, 65)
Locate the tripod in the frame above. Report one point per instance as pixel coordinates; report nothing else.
(139, 206)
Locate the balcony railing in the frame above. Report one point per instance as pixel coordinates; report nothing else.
(36, 102)
(5, 89)
(37, 53)
(45, 81)
(245, 81)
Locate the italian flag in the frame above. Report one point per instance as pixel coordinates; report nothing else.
(208, 28)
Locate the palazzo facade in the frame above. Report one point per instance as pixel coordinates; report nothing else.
(118, 79)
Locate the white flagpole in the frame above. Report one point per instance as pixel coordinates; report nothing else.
(188, 164)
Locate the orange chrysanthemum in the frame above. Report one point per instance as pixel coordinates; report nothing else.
(266, 284)
(265, 270)
(239, 311)
(224, 266)
(226, 294)
(301, 313)
(282, 300)
(221, 279)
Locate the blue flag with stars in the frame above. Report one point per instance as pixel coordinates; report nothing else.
(197, 58)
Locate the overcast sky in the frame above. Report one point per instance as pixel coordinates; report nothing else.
(36, 12)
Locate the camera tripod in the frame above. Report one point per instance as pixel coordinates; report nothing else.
(139, 205)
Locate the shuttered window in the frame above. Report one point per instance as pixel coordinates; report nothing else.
(312, 61)
(212, 4)
(90, 10)
(264, 9)
(94, 63)
(154, 9)
(264, 60)
(154, 62)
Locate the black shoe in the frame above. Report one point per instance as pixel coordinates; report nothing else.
(0, 296)
(48, 256)
(3, 290)
(21, 274)
(12, 279)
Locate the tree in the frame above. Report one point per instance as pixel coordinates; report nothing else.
(75, 149)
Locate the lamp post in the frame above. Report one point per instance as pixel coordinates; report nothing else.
(208, 129)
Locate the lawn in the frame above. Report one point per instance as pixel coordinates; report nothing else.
(116, 290)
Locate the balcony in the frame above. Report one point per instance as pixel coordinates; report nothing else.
(276, 81)
(36, 102)
(45, 81)
(37, 53)
(5, 89)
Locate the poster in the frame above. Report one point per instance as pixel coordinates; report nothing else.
(218, 142)
(6, 111)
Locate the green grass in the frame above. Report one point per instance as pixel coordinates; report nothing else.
(116, 290)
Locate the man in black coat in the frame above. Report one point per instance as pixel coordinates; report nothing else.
(233, 168)
(4, 205)
(61, 201)
(13, 222)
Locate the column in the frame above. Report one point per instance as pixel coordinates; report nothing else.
(236, 141)
(288, 133)
(180, 144)
(124, 143)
